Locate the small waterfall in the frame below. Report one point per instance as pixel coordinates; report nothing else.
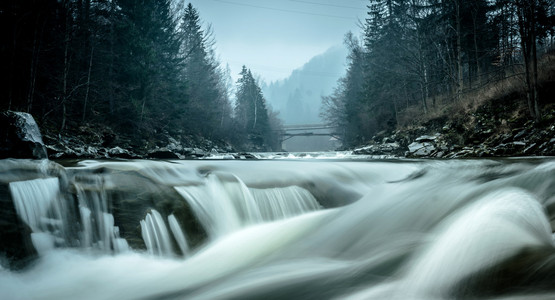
(38, 204)
(179, 235)
(53, 222)
(157, 238)
(155, 234)
(213, 207)
(281, 203)
(224, 206)
(97, 224)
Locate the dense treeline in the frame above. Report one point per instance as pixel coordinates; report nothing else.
(140, 67)
(416, 54)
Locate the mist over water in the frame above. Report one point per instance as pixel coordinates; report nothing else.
(286, 229)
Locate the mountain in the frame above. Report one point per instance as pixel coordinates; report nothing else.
(298, 98)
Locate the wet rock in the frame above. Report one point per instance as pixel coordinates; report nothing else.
(16, 246)
(117, 152)
(20, 136)
(55, 151)
(163, 153)
(421, 149)
(426, 138)
(174, 145)
(388, 147)
(521, 134)
(245, 155)
(364, 150)
(194, 152)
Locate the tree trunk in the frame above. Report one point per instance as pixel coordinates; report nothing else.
(525, 14)
(460, 82)
(37, 43)
(535, 87)
(476, 53)
(66, 69)
(88, 85)
(111, 60)
(255, 112)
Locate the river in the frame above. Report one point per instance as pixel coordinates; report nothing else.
(283, 227)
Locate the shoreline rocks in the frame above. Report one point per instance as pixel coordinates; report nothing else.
(449, 139)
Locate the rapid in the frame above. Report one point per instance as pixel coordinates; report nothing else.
(338, 227)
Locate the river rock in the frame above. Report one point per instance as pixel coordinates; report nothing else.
(20, 136)
(163, 153)
(387, 148)
(421, 149)
(17, 247)
(426, 138)
(120, 153)
(194, 152)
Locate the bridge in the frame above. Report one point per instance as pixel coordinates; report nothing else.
(290, 131)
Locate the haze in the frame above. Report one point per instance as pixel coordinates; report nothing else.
(275, 37)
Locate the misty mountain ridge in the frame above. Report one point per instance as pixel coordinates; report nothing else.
(298, 98)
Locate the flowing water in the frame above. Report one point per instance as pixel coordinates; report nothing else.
(331, 228)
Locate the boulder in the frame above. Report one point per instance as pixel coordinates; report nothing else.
(421, 149)
(194, 152)
(16, 247)
(20, 136)
(163, 153)
(120, 153)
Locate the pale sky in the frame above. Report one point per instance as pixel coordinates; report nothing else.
(274, 37)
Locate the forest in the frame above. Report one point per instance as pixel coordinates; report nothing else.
(419, 59)
(143, 71)
(126, 69)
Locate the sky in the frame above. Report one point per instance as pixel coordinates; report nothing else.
(274, 37)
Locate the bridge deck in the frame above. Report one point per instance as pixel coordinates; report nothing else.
(298, 127)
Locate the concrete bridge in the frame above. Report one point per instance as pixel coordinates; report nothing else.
(290, 131)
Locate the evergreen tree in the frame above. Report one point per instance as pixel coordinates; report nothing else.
(251, 113)
(148, 63)
(207, 100)
(344, 109)
(418, 51)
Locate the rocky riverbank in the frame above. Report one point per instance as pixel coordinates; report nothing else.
(493, 130)
(90, 142)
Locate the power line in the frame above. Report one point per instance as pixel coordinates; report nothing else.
(283, 10)
(326, 4)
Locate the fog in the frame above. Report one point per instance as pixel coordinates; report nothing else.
(272, 37)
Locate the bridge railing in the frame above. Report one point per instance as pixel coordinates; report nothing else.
(307, 127)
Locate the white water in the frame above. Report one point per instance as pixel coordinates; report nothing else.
(225, 206)
(97, 223)
(179, 235)
(155, 234)
(38, 204)
(418, 230)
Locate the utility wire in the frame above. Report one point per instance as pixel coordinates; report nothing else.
(283, 10)
(326, 4)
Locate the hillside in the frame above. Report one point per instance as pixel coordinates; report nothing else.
(298, 97)
(493, 121)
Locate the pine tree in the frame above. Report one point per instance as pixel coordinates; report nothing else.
(251, 113)
(207, 100)
(148, 63)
